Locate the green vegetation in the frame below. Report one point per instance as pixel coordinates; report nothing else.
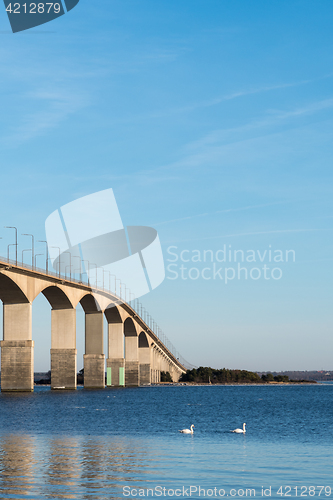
(269, 377)
(207, 375)
(166, 377)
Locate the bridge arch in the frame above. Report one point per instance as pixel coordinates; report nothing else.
(129, 328)
(113, 315)
(143, 340)
(57, 298)
(90, 304)
(11, 292)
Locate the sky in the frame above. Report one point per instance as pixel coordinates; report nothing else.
(212, 123)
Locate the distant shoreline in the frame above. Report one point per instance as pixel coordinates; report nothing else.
(263, 384)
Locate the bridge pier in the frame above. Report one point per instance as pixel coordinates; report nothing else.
(115, 364)
(144, 360)
(158, 365)
(17, 348)
(94, 358)
(132, 374)
(155, 365)
(152, 365)
(63, 349)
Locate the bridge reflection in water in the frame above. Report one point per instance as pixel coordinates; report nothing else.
(136, 355)
(72, 467)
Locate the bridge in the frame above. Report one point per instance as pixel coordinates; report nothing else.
(137, 352)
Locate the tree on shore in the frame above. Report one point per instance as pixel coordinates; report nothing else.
(223, 376)
(166, 377)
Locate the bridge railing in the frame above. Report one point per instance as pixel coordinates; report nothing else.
(135, 304)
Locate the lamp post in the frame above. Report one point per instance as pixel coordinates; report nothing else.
(58, 260)
(92, 264)
(37, 254)
(115, 279)
(70, 276)
(46, 254)
(85, 268)
(25, 250)
(77, 257)
(12, 227)
(103, 276)
(32, 247)
(121, 283)
(115, 282)
(70, 266)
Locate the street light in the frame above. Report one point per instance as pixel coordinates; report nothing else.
(70, 276)
(92, 264)
(78, 257)
(32, 247)
(115, 279)
(37, 254)
(103, 276)
(115, 282)
(85, 269)
(58, 260)
(46, 254)
(121, 283)
(25, 250)
(12, 244)
(70, 266)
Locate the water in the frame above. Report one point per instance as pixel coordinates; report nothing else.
(123, 443)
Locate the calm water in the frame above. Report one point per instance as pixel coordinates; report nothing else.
(90, 445)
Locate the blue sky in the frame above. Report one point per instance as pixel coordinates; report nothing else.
(212, 122)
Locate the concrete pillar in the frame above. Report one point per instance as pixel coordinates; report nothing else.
(63, 349)
(132, 374)
(158, 363)
(144, 363)
(153, 365)
(164, 366)
(94, 358)
(17, 348)
(115, 364)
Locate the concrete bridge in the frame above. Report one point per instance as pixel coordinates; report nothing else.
(136, 356)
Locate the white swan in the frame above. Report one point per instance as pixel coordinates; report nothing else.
(188, 431)
(240, 431)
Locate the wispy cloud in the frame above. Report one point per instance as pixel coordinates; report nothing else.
(272, 118)
(219, 145)
(252, 233)
(207, 103)
(54, 106)
(228, 210)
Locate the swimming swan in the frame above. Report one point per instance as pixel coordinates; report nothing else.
(188, 431)
(240, 431)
